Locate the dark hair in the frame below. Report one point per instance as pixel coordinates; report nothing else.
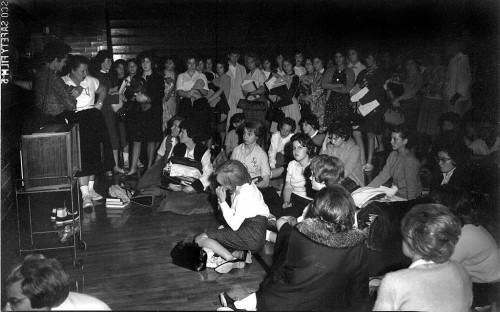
(74, 61)
(431, 231)
(170, 123)
(374, 55)
(271, 60)
(334, 206)
(55, 50)
(224, 64)
(173, 58)
(190, 128)
(254, 57)
(462, 204)
(289, 59)
(327, 169)
(119, 62)
(133, 60)
(305, 141)
(238, 117)
(233, 173)
(147, 54)
(403, 131)
(457, 152)
(43, 281)
(341, 129)
(101, 56)
(311, 120)
(319, 57)
(289, 121)
(189, 57)
(256, 126)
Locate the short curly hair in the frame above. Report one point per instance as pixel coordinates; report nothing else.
(327, 169)
(431, 231)
(341, 129)
(288, 121)
(43, 281)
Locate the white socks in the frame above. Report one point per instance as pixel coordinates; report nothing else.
(85, 190)
(125, 157)
(91, 185)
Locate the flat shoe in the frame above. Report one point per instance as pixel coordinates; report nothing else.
(119, 170)
(229, 265)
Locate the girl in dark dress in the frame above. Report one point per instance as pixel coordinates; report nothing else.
(339, 81)
(146, 124)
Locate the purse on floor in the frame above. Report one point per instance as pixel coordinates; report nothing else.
(189, 256)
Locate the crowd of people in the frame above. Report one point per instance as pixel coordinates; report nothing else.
(282, 159)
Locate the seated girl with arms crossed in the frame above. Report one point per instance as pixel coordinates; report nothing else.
(247, 218)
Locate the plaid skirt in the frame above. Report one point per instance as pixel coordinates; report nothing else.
(250, 236)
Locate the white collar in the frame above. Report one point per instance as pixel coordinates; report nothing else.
(420, 262)
(450, 173)
(104, 72)
(312, 136)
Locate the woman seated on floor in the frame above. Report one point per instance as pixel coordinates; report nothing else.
(247, 219)
(324, 263)
(39, 283)
(476, 248)
(402, 166)
(339, 143)
(151, 179)
(279, 139)
(432, 282)
(294, 193)
(254, 158)
(453, 172)
(188, 199)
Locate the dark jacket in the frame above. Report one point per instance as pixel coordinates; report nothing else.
(318, 270)
(460, 180)
(199, 151)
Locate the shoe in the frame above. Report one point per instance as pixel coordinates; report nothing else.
(53, 214)
(229, 265)
(139, 164)
(227, 302)
(126, 165)
(220, 227)
(87, 204)
(240, 254)
(118, 170)
(94, 196)
(76, 214)
(368, 167)
(214, 262)
(63, 217)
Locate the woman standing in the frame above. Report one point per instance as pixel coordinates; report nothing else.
(432, 106)
(93, 130)
(147, 123)
(288, 102)
(340, 80)
(169, 99)
(223, 83)
(237, 72)
(258, 77)
(372, 78)
(103, 60)
(402, 166)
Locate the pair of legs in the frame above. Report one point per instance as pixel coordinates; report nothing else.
(116, 154)
(205, 242)
(136, 151)
(358, 137)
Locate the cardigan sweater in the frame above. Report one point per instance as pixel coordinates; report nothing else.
(403, 169)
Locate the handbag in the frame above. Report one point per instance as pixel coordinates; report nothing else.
(274, 114)
(189, 256)
(393, 117)
(181, 170)
(256, 105)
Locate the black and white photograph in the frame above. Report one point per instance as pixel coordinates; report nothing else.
(250, 155)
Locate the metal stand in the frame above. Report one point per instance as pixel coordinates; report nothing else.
(76, 240)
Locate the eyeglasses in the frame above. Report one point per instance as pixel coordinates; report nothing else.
(442, 160)
(333, 137)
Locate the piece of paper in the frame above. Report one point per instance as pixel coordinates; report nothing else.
(356, 97)
(249, 85)
(368, 107)
(274, 83)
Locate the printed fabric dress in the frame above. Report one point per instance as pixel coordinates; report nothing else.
(338, 105)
